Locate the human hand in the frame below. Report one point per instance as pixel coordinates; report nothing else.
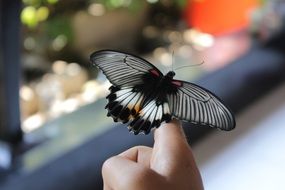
(168, 165)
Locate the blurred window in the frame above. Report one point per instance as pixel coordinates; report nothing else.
(58, 36)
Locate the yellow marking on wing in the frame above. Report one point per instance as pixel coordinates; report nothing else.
(137, 107)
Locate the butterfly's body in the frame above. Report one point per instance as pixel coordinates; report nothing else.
(156, 87)
(143, 97)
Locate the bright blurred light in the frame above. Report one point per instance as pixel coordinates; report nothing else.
(73, 69)
(157, 53)
(59, 67)
(70, 105)
(205, 40)
(56, 108)
(66, 106)
(174, 36)
(96, 9)
(59, 42)
(29, 16)
(26, 93)
(104, 90)
(90, 91)
(166, 59)
(49, 89)
(198, 38)
(42, 13)
(152, 1)
(33, 122)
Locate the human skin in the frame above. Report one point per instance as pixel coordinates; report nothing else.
(168, 165)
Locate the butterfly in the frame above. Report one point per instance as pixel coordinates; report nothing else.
(143, 97)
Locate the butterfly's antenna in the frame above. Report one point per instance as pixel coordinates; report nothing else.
(172, 60)
(177, 68)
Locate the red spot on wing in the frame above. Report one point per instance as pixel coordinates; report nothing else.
(154, 72)
(176, 83)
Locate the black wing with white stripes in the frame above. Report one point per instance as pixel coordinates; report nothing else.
(122, 69)
(197, 105)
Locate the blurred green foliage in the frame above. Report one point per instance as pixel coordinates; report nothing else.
(48, 23)
(135, 5)
(35, 11)
(114, 4)
(31, 16)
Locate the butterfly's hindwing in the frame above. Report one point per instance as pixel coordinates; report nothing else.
(150, 116)
(137, 108)
(123, 104)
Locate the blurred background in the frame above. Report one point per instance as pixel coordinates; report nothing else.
(54, 127)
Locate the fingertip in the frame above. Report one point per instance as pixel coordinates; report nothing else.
(171, 131)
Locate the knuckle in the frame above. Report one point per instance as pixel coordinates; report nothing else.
(138, 178)
(108, 164)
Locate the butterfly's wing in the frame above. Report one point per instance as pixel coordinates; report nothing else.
(122, 69)
(133, 80)
(127, 105)
(197, 105)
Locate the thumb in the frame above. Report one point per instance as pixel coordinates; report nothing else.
(121, 173)
(116, 171)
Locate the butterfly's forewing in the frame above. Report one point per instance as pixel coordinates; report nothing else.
(124, 70)
(197, 105)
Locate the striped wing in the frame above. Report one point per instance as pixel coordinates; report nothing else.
(124, 70)
(197, 105)
(149, 117)
(126, 105)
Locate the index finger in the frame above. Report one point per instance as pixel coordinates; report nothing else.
(171, 151)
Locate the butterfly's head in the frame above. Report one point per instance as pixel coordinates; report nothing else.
(170, 74)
